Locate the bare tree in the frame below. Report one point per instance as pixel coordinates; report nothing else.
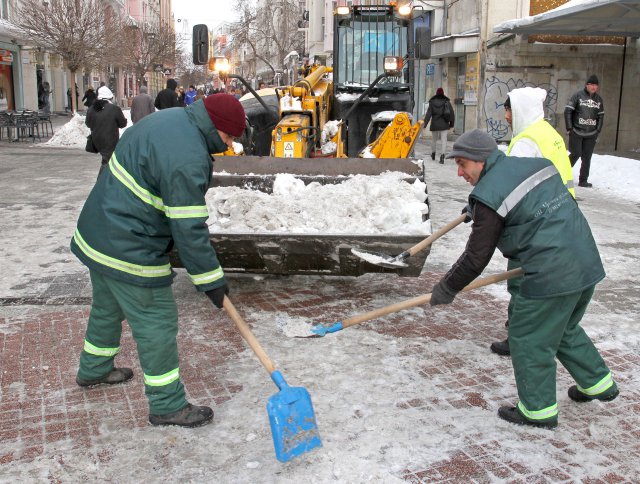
(81, 31)
(188, 72)
(143, 46)
(271, 32)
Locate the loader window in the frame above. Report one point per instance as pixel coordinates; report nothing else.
(363, 42)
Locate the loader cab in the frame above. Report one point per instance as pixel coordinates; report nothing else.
(363, 36)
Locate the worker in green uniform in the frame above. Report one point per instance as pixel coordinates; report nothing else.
(522, 207)
(533, 137)
(149, 198)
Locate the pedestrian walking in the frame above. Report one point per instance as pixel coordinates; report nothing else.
(43, 97)
(190, 95)
(181, 96)
(142, 105)
(440, 113)
(533, 137)
(151, 197)
(168, 97)
(105, 119)
(584, 117)
(89, 97)
(522, 207)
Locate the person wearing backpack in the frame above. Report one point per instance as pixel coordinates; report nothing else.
(440, 113)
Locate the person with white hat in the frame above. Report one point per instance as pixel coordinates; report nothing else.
(105, 119)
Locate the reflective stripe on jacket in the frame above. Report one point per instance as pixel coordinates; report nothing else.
(552, 147)
(151, 197)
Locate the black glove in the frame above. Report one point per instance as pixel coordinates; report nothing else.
(217, 295)
(442, 294)
(469, 214)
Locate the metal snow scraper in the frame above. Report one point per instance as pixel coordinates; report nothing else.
(293, 421)
(398, 261)
(320, 330)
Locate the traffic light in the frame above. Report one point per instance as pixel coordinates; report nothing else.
(200, 44)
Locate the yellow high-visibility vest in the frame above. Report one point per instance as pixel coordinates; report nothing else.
(552, 147)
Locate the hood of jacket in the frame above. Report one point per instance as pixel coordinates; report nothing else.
(439, 97)
(527, 107)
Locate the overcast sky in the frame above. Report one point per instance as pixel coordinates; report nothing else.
(188, 13)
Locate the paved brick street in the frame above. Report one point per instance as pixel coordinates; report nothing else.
(435, 363)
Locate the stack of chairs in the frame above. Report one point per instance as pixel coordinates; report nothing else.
(27, 125)
(7, 125)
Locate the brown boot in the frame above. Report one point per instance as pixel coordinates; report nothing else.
(501, 347)
(189, 416)
(115, 376)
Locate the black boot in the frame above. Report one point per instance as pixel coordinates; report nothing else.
(117, 375)
(511, 414)
(442, 159)
(577, 396)
(189, 416)
(585, 184)
(501, 347)
(433, 155)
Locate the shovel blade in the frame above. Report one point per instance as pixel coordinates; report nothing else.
(293, 423)
(379, 259)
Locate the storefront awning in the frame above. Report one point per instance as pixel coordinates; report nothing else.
(581, 17)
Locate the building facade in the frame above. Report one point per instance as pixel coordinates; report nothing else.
(477, 67)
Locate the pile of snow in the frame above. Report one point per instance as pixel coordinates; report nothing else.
(382, 204)
(329, 130)
(74, 133)
(290, 103)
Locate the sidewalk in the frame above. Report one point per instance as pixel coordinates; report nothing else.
(410, 397)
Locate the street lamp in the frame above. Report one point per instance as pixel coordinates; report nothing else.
(150, 38)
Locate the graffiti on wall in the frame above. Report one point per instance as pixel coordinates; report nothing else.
(495, 94)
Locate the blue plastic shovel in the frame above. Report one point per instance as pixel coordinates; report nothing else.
(320, 330)
(293, 421)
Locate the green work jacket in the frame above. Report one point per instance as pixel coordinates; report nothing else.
(152, 196)
(544, 228)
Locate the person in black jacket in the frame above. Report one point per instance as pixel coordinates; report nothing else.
(584, 116)
(105, 120)
(168, 97)
(440, 113)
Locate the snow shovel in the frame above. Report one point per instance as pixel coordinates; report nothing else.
(320, 330)
(293, 421)
(398, 261)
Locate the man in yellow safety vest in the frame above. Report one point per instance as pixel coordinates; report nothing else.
(533, 137)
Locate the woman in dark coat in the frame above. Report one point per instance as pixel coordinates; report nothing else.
(440, 113)
(105, 120)
(89, 97)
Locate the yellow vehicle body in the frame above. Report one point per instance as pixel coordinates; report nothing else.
(397, 139)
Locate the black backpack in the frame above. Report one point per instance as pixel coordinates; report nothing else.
(446, 112)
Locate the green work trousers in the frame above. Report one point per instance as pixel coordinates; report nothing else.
(153, 318)
(541, 330)
(513, 286)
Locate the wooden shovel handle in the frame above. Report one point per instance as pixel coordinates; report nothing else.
(425, 298)
(436, 235)
(248, 336)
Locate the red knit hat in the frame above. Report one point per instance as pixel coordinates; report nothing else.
(226, 112)
(439, 92)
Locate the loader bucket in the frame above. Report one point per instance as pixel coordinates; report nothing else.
(304, 253)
